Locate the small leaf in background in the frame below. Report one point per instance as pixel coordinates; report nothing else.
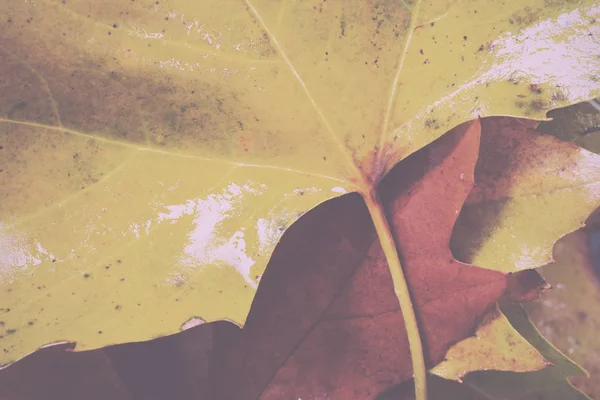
(496, 345)
(549, 383)
(569, 314)
(579, 123)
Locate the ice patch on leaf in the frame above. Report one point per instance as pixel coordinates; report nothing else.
(588, 167)
(135, 229)
(177, 211)
(268, 234)
(192, 322)
(528, 257)
(143, 34)
(540, 52)
(18, 253)
(59, 343)
(209, 242)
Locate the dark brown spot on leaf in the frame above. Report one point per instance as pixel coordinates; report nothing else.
(582, 316)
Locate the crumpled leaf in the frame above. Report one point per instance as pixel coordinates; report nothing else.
(530, 190)
(568, 314)
(153, 154)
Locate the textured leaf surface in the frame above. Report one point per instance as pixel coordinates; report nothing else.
(152, 154)
(569, 314)
(442, 389)
(331, 339)
(55, 373)
(579, 123)
(549, 383)
(325, 320)
(530, 190)
(495, 346)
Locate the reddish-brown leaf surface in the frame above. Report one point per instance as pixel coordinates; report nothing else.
(53, 373)
(325, 322)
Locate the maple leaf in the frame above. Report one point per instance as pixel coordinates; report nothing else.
(325, 320)
(178, 366)
(105, 114)
(331, 324)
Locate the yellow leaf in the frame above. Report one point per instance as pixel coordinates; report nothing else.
(548, 383)
(530, 190)
(153, 153)
(495, 346)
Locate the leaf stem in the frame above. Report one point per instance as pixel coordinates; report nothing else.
(401, 289)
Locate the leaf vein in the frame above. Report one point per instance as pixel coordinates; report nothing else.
(164, 152)
(388, 111)
(310, 329)
(42, 79)
(74, 195)
(307, 92)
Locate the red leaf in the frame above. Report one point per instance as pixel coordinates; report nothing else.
(326, 322)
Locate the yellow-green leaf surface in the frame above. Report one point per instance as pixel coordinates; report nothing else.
(154, 152)
(549, 383)
(495, 346)
(530, 190)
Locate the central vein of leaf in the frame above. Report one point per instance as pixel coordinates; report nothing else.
(366, 185)
(402, 293)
